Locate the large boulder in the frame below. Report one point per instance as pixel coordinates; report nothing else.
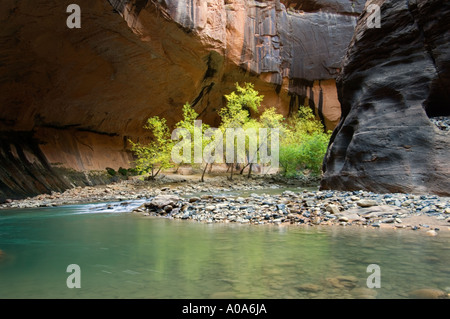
(394, 81)
(161, 201)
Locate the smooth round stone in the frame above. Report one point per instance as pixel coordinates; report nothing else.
(333, 209)
(364, 293)
(431, 233)
(348, 282)
(428, 293)
(366, 203)
(309, 287)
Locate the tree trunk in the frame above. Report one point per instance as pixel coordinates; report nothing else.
(242, 170)
(250, 170)
(151, 177)
(154, 176)
(203, 174)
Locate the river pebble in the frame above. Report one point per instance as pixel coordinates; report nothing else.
(442, 122)
(428, 293)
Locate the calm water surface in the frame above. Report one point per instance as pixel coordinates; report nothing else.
(123, 255)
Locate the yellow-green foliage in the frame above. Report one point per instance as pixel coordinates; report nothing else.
(271, 119)
(239, 103)
(304, 144)
(302, 140)
(188, 124)
(236, 114)
(155, 156)
(268, 120)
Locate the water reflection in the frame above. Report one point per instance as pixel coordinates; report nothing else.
(122, 255)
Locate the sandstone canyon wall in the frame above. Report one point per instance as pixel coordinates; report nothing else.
(71, 98)
(394, 80)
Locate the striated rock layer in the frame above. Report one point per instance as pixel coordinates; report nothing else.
(393, 80)
(80, 94)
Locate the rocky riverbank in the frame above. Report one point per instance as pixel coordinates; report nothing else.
(442, 122)
(360, 208)
(259, 201)
(135, 189)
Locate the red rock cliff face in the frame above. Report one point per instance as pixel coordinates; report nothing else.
(292, 55)
(80, 94)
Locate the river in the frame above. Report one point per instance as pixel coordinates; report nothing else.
(125, 255)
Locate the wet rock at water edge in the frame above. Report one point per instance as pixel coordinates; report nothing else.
(431, 233)
(309, 287)
(186, 215)
(288, 193)
(428, 293)
(364, 293)
(343, 282)
(316, 220)
(161, 201)
(349, 216)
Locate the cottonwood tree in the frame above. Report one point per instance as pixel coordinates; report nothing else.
(155, 156)
(269, 126)
(303, 144)
(192, 141)
(237, 115)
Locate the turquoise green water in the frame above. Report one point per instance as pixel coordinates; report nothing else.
(122, 255)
